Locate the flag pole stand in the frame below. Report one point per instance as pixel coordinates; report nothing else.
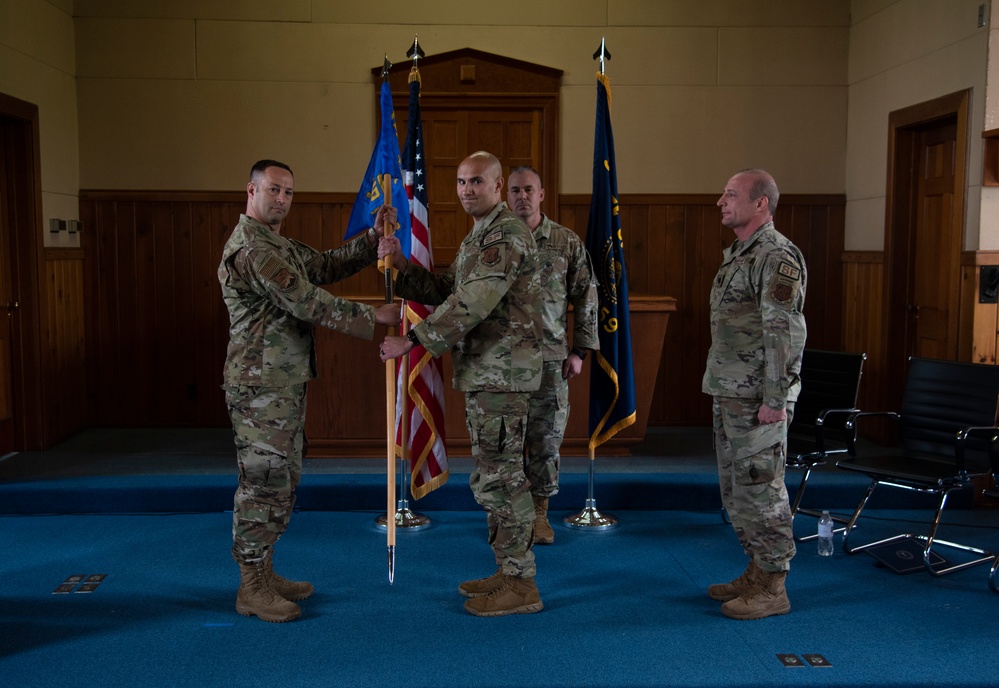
(590, 517)
(405, 518)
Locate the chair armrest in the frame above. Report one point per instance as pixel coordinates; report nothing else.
(851, 426)
(991, 433)
(820, 422)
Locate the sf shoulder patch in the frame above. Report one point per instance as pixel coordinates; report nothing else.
(491, 254)
(789, 271)
(785, 283)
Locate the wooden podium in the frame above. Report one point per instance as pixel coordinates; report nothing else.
(346, 403)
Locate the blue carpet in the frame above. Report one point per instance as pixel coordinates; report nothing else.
(624, 608)
(190, 493)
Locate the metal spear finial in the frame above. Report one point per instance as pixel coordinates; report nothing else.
(602, 54)
(415, 51)
(386, 66)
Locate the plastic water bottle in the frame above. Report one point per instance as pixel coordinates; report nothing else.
(825, 535)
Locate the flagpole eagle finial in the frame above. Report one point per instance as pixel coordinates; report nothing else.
(602, 54)
(386, 66)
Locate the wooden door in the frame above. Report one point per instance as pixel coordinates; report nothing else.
(8, 309)
(935, 280)
(924, 229)
(449, 136)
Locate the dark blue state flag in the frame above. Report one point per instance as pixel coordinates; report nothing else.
(612, 378)
(384, 160)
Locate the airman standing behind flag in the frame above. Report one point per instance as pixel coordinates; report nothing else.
(566, 278)
(752, 375)
(487, 316)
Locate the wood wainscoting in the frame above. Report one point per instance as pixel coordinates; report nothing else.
(978, 329)
(156, 328)
(863, 306)
(64, 346)
(863, 317)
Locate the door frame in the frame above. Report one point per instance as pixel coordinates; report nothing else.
(19, 122)
(900, 222)
(467, 79)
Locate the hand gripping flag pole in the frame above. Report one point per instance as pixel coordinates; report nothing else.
(612, 383)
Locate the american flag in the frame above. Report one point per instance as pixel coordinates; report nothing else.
(422, 395)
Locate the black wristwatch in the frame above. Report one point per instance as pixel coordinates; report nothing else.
(411, 336)
(579, 352)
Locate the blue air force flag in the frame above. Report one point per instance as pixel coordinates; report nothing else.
(384, 160)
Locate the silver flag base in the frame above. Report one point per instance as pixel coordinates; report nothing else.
(404, 518)
(589, 517)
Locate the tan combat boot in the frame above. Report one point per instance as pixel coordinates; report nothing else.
(543, 533)
(482, 586)
(255, 596)
(514, 596)
(723, 592)
(766, 597)
(289, 590)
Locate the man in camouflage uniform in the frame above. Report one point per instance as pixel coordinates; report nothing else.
(566, 278)
(757, 340)
(268, 284)
(487, 316)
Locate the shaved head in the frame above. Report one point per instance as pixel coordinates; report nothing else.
(480, 182)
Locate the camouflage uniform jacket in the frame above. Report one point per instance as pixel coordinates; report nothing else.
(487, 307)
(268, 284)
(757, 327)
(566, 277)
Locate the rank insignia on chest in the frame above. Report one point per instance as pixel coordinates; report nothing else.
(789, 271)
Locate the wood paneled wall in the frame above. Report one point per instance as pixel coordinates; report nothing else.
(156, 327)
(64, 359)
(978, 327)
(863, 314)
(673, 247)
(863, 306)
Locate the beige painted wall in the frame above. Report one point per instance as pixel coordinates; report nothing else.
(904, 52)
(186, 94)
(182, 95)
(38, 65)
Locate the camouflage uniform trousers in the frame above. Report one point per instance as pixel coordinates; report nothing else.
(546, 419)
(496, 424)
(751, 459)
(269, 428)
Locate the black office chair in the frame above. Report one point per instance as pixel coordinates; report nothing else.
(947, 424)
(993, 493)
(830, 382)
